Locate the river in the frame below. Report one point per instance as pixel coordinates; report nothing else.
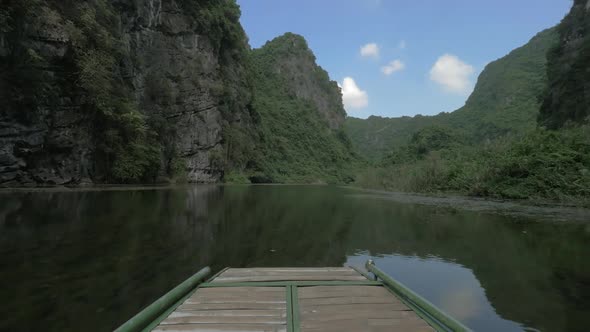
(89, 260)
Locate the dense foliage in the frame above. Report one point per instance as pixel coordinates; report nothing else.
(541, 164)
(282, 115)
(504, 101)
(567, 97)
(295, 142)
(492, 146)
(130, 143)
(127, 150)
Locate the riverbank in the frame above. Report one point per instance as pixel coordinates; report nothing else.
(534, 209)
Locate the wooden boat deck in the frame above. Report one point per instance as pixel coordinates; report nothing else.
(292, 299)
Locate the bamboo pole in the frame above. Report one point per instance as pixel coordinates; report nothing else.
(440, 317)
(154, 310)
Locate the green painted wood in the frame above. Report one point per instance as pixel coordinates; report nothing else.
(155, 310)
(420, 312)
(167, 313)
(363, 273)
(290, 283)
(295, 307)
(442, 321)
(289, 292)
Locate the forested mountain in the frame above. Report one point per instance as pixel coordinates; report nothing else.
(110, 91)
(504, 100)
(469, 152)
(300, 117)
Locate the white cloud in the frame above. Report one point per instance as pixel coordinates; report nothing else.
(370, 50)
(452, 74)
(402, 45)
(392, 67)
(352, 96)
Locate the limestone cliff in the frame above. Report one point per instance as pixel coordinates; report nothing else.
(566, 99)
(178, 63)
(290, 58)
(301, 116)
(144, 91)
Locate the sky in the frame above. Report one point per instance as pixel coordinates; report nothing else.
(403, 57)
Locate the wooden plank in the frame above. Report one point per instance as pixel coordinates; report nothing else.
(356, 327)
(292, 283)
(224, 320)
(355, 308)
(305, 308)
(244, 296)
(234, 300)
(232, 306)
(365, 325)
(286, 274)
(332, 301)
(289, 269)
(289, 277)
(292, 299)
(360, 315)
(232, 313)
(239, 290)
(223, 295)
(221, 328)
(282, 273)
(268, 274)
(339, 291)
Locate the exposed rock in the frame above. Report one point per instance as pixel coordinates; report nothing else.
(172, 70)
(566, 101)
(163, 46)
(297, 64)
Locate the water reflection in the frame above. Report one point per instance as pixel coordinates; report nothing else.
(446, 284)
(79, 259)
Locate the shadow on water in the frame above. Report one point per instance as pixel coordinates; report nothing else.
(72, 261)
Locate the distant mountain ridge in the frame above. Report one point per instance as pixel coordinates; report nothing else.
(504, 100)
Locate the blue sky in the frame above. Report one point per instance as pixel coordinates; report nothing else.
(419, 56)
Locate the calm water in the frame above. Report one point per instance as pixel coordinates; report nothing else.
(87, 261)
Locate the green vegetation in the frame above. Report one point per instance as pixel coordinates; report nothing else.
(504, 101)
(282, 117)
(541, 164)
(130, 144)
(295, 144)
(127, 151)
(567, 98)
(492, 147)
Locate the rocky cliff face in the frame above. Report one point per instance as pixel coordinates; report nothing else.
(50, 144)
(290, 58)
(567, 97)
(174, 70)
(300, 115)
